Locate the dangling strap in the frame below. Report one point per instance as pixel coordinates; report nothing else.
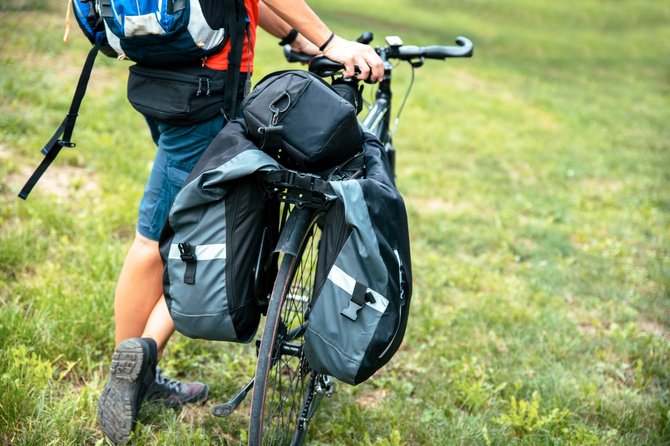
(237, 25)
(55, 144)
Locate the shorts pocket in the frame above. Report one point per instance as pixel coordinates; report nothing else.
(175, 180)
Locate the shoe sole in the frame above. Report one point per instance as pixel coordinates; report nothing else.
(118, 405)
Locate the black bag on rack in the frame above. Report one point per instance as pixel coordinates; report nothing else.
(301, 121)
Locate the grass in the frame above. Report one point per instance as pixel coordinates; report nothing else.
(536, 179)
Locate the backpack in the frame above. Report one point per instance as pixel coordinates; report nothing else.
(178, 35)
(163, 33)
(363, 281)
(157, 33)
(171, 32)
(212, 241)
(302, 121)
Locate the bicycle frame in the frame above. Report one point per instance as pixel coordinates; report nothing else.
(378, 119)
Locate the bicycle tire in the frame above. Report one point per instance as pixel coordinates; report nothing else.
(282, 373)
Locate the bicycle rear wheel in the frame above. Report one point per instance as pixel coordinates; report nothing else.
(283, 387)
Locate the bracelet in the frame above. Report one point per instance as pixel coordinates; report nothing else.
(290, 37)
(325, 44)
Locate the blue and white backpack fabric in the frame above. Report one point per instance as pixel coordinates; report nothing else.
(363, 282)
(161, 32)
(91, 24)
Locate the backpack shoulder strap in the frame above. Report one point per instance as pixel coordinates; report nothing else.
(237, 26)
(55, 144)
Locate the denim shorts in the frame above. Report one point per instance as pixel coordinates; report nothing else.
(179, 148)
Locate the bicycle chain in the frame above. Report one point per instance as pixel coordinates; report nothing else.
(302, 421)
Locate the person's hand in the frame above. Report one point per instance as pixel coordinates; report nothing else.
(302, 45)
(354, 54)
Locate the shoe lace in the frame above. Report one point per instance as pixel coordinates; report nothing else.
(171, 385)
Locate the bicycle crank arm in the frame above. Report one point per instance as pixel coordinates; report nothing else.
(224, 409)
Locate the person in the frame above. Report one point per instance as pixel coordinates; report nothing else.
(143, 324)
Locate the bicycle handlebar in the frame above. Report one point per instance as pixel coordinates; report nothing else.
(407, 52)
(325, 67)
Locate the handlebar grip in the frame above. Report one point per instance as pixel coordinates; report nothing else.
(324, 67)
(464, 49)
(294, 56)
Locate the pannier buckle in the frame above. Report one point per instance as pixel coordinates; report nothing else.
(187, 253)
(359, 297)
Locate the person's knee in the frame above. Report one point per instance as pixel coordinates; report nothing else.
(144, 248)
(145, 241)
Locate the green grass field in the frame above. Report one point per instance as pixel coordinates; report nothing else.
(537, 179)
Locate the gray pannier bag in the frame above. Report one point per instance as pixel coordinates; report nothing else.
(211, 242)
(363, 282)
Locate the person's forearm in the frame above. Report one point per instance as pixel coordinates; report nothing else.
(355, 57)
(299, 15)
(276, 26)
(271, 22)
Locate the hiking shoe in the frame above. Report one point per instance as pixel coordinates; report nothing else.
(174, 393)
(132, 372)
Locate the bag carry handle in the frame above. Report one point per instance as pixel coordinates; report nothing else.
(55, 144)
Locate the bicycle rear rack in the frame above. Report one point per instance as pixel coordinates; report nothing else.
(300, 189)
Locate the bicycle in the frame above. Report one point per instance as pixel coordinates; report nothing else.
(286, 392)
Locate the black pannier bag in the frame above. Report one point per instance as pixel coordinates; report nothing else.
(301, 121)
(211, 242)
(363, 282)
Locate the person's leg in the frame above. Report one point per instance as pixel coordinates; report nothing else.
(138, 295)
(159, 326)
(139, 288)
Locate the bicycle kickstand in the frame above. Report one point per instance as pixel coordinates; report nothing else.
(222, 410)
